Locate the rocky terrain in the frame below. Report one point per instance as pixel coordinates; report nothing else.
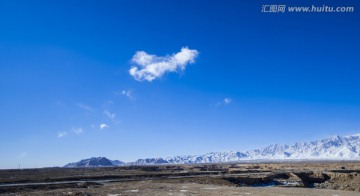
(268, 178)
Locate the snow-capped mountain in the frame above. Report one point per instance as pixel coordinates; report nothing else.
(149, 161)
(213, 157)
(334, 148)
(337, 147)
(95, 162)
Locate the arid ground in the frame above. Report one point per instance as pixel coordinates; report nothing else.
(288, 178)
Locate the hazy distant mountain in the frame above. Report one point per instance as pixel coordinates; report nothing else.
(117, 163)
(149, 161)
(335, 148)
(95, 162)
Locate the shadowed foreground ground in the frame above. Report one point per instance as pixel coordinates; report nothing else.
(301, 178)
(155, 188)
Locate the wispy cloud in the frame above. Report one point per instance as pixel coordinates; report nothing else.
(109, 103)
(111, 116)
(62, 134)
(73, 131)
(103, 126)
(149, 67)
(84, 107)
(225, 101)
(77, 131)
(128, 94)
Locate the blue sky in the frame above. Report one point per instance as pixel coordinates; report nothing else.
(243, 80)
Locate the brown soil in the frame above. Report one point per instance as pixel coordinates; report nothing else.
(301, 178)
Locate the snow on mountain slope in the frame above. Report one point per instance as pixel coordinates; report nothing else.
(149, 161)
(212, 157)
(334, 148)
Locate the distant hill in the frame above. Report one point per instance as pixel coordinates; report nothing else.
(334, 148)
(95, 162)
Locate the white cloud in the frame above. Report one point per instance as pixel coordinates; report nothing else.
(77, 131)
(103, 126)
(128, 94)
(149, 67)
(61, 134)
(227, 100)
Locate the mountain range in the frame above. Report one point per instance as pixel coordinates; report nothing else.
(334, 148)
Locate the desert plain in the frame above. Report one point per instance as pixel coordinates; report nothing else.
(333, 178)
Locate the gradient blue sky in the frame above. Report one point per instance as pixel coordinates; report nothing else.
(64, 66)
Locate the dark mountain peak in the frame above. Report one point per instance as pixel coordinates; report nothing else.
(95, 162)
